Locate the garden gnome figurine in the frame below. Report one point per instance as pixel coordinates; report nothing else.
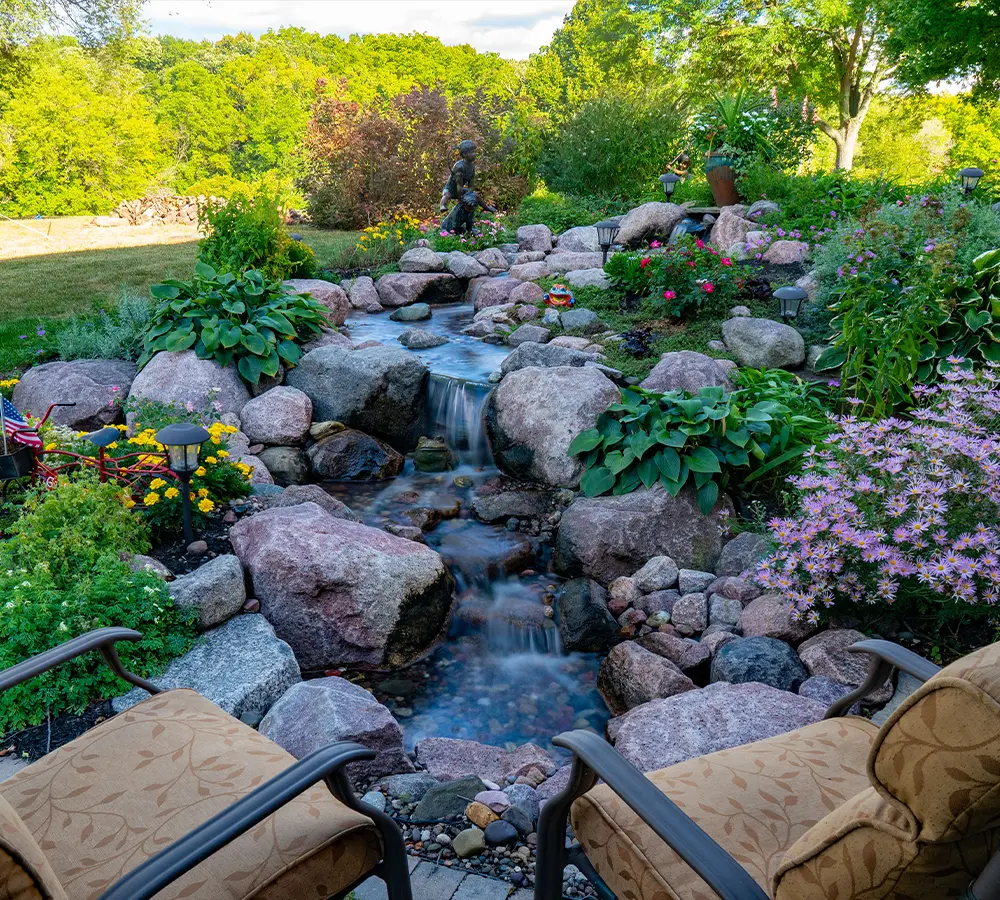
(463, 174)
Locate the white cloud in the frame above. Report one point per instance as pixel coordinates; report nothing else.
(512, 28)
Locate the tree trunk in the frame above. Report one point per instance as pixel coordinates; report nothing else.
(847, 143)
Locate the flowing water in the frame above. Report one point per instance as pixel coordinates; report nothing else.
(500, 676)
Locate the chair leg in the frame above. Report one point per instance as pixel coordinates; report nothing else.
(553, 855)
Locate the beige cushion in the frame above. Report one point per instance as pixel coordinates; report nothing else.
(25, 873)
(755, 801)
(111, 799)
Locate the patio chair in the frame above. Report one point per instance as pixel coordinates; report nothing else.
(839, 810)
(176, 799)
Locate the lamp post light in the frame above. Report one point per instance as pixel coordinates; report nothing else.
(669, 182)
(607, 231)
(970, 178)
(101, 439)
(183, 442)
(789, 300)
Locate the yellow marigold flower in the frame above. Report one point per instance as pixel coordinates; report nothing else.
(129, 503)
(222, 453)
(201, 471)
(50, 446)
(157, 483)
(113, 445)
(170, 493)
(211, 460)
(151, 499)
(203, 492)
(206, 505)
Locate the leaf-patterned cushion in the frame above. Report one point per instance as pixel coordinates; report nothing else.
(755, 801)
(25, 873)
(117, 795)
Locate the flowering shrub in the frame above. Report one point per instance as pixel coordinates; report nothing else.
(488, 233)
(683, 277)
(899, 513)
(7, 386)
(386, 241)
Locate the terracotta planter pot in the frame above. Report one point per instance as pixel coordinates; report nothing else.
(721, 179)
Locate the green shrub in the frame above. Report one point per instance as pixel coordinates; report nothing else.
(114, 334)
(61, 576)
(246, 232)
(673, 438)
(248, 320)
(562, 211)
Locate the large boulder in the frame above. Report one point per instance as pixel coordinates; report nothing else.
(534, 237)
(331, 295)
(529, 271)
(352, 455)
(632, 675)
(664, 732)
(594, 277)
(526, 292)
(685, 370)
(493, 259)
(763, 343)
(582, 239)
(585, 625)
(314, 714)
(378, 390)
(286, 465)
(560, 262)
(420, 259)
(341, 593)
(493, 291)
(531, 354)
(181, 378)
(536, 334)
(402, 288)
(534, 414)
(772, 616)
(742, 553)
(94, 385)
(606, 537)
(730, 228)
(296, 494)
(241, 666)
(648, 221)
(761, 659)
(281, 415)
(448, 759)
(362, 294)
(216, 589)
(826, 654)
(786, 253)
(461, 265)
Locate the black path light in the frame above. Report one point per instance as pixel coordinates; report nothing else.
(789, 301)
(669, 182)
(607, 231)
(183, 442)
(970, 178)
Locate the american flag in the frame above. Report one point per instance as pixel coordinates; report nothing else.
(15, 426)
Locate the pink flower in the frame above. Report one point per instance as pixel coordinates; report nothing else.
(669, 295)
(654, 244)
(708, 287)
(699, 243)
(444, 233)
(726, 261)
(644, 262)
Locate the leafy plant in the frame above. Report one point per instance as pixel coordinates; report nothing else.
(561, 211)
(488, 233)
(248, 320)
(61, 575)
(114, 334)
(674, 438)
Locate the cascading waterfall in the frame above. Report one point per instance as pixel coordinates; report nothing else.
(455, 407)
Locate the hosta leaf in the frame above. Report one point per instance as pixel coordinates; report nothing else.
(164, 292)
(976, 320)
(270, 364)
(648, 472)
(831, 359)
(229, 335)
(204, 270)
(181, 340)
(627, 482)
(249, 368)
(707, 495)
(668, 461)
(701, 459)
(672, 487)
(584, 441)
(236, 307)
(255, 344)
(289, 351)
(596, 481)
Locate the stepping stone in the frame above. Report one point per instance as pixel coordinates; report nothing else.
(430, 882)
(478, 887)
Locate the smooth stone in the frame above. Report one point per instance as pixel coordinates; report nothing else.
(685, 370)
(632, 675)
(374, 799)
(448, 801)
(658, 574)
(94, 385)
(416, 312)
(742, 553)
(409, 787)
(691, 581)
(418, 339)
(759, 659)
(216, 590)
(500, 833)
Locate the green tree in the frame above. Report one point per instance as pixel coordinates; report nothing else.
(94, 22)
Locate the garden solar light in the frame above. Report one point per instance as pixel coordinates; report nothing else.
(607, 231)
(183, 442)
(970, 178)
(669, 182)
(789, 301)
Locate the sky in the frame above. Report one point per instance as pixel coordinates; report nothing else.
(512, 28)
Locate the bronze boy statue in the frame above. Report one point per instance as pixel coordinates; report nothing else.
(460, 187)
(463, 217)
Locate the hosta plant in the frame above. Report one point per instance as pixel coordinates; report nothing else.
(246, 320)
(708, 439)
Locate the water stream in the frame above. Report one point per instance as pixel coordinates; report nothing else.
(500, 676)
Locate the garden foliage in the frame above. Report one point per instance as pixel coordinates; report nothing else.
(115, 333)
(247, 320)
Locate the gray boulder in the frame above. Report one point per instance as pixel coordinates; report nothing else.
(241, 666)
(724, 611)
(418, 339)
(526, 292)
(761, 659)
(658, 574)
(605, 537)
(95, 385)
(534, 237)
(420, 259)
(281, 415)
(415, 312)
(295, 494)
(378, 390)
(786, 253)
(448, 801)
(409, 788)
(690, 614)
(761, 208)
(582, 239)
(543, 356)
(529, 271)
(685, 653)
(632, 675)
(535, 333)
(534, 414)
(764, 343)
(352, 455)
(691, 580)
(730, 228)
(216, 589)
(664, 732)
(402, 288)
(462, 265)
(585, 625)
(314, 714)
(331, 295)
(593, 277)
(492, 258)
(493, 291)
(585, 320)
(286, 465)
(742, 553)
(342, 593)
(328, 338)
(448, 759)
(826, 653)
(560, 262)
(649, 221)
(685, 370)
(771, 615)
(182, 378)
(826, 691)
(362, 294)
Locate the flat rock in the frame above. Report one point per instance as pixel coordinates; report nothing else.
(216, 589)
(571, 341)
(342, 593)
(181, 378)
(420, 259)
(447, 759)
(402, 288)
(295, 494)
(331, 295)
(764, 343)
(241, 666)
(534, 237)
(649, 221)
(281, 415)
(534, 414)
(493, 292)
(632, 675)
(685, 370)
(351, 455)
(584, 320)
(448, 801)
(96, 386)
(771, 615)
(593, 277)
(760, 659)
(409, 788)
(535, 333)
(585, 625)
(582, 239)
(314, 714)
(544, 356)
(529, 271)
(560, 262)
(664, 732)
(461, 265)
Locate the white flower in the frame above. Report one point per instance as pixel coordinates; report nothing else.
(62, 627)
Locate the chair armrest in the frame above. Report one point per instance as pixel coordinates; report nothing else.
(168, 865)
(102, 639)
(885, 656)
(593, 757)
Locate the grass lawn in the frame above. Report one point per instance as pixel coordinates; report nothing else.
(73, 268)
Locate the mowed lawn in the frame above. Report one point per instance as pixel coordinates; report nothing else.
(52, 269)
